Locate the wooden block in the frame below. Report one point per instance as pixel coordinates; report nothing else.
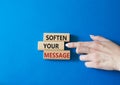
(57, 55)
(50, 45)
(57, 37)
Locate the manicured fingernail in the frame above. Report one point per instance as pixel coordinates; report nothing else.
(82, 57)
(66, 45)
(92, 36)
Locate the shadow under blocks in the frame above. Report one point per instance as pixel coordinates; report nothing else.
(73, 55)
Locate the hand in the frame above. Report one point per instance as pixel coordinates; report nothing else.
(101, 53)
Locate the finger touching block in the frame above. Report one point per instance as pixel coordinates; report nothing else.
(50, 45)
(57, 55)
(57, 37)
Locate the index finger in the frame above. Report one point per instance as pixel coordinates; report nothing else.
(78, 44)
(72, 45)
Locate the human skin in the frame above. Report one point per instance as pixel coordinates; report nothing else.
(101, 53)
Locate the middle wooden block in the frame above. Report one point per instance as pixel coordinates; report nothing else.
(50, 45)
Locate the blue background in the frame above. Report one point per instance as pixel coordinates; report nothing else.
(22, 24)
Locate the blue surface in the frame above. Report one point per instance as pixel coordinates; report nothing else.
(22, 24)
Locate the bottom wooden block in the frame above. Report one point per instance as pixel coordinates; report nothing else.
(59, 55)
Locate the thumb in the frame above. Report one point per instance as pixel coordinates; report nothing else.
(98, 38)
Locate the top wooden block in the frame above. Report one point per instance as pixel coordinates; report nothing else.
(57, 37)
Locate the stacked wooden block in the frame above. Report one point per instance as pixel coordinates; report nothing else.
(53, 46)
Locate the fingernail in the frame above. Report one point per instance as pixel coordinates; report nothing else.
(82, 57)
(92, 36)
(66, 45)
